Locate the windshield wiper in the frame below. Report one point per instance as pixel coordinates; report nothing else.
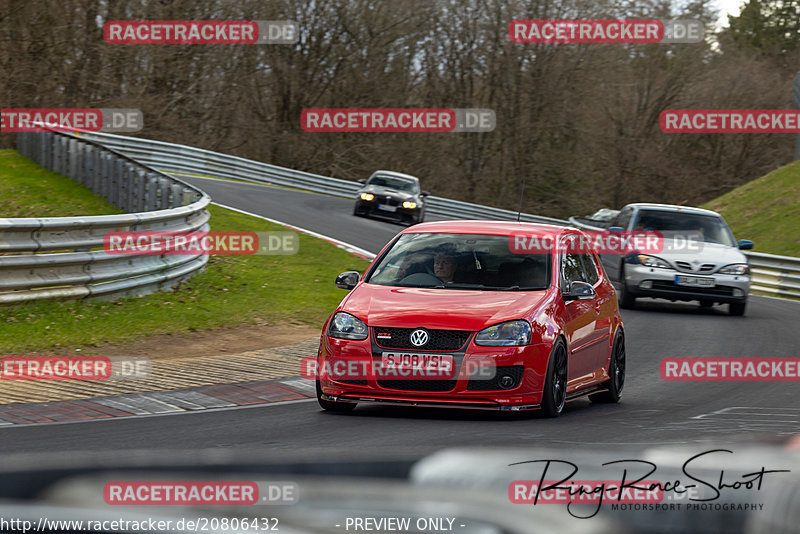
(520, 288)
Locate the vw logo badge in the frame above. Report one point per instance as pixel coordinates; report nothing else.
(419, 338)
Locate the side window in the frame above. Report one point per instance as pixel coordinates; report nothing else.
(571, 270)
(623, 219)
(590, 268)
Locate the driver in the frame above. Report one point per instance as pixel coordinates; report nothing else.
(444, 264)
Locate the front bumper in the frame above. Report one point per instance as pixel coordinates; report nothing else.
(642, 281)
(474, 385)
(370, 209)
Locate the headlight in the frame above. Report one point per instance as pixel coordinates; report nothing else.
(410, 205)
(509, 334)
(346, 326)
(652, 261)
(735, 268)
(367, 196)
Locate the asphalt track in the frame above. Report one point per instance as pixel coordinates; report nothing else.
(652, 411)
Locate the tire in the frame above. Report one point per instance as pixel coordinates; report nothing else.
(357, 213)
(626, 300)
(737, 308)
(331, 406)
(616, 371)
(554, 395)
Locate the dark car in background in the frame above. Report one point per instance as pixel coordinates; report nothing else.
(391, 195)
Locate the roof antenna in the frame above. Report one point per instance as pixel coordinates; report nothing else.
(521, 196)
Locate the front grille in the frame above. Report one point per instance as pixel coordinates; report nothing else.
(419, 385)
(353, 382)
(437, 339)
(721, 291)
(687, 267)
(389, 201)
(493, 384)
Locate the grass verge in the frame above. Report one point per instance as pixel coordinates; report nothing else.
(28, 190)
(766, 210)
(233, 290)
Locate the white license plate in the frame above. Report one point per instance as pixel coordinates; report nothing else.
(694, 281)
(384, 207)
(411, 361)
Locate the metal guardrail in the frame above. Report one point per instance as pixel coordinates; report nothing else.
(775, 276)
(770, 275)
(189, 160)
(62, 257)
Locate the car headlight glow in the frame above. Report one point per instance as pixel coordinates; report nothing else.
(735, 268)
(652, 261)
(508, 334)
(410, 205)
(346, 326)
(367, 196)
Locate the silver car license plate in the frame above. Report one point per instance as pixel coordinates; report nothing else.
(694, 281)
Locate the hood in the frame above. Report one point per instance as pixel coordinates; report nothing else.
(709, 253)
(450, 309)
(384, 191)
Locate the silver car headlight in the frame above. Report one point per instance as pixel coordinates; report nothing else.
(508, 334)
(735, 268)
(652, 261)
(346, 326)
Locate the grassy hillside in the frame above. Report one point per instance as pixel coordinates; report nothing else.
(766, 210)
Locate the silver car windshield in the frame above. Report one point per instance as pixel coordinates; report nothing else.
(713, 229)
(460, 261)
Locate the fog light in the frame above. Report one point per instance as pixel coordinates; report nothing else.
(506, 382)
(647, 284)
(738, 292)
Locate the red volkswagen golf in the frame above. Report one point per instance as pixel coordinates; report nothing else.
(469, 314)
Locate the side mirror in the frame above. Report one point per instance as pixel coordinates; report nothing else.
(745, 244)
(579, 291)
(425, 194)
(362, 181)
(347, 280)
(616, 229)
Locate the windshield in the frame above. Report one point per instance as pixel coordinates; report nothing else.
(713, 229)
(460, 261)
(391, 182)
